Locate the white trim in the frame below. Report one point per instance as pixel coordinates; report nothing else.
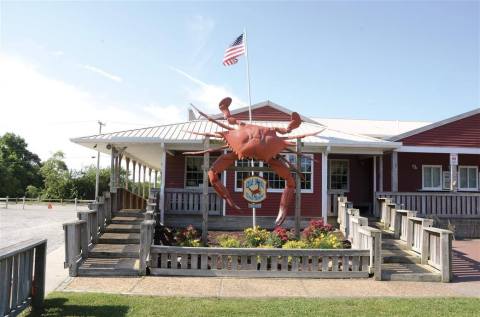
(438, 149)
(440, 187)
(280, 190)
(329, 179)
(325, 186)
(435, 125)
(163, 164)
(474, 189)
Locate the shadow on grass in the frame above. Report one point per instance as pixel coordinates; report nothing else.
(59, 307)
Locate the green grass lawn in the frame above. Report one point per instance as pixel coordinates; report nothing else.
(97, 304)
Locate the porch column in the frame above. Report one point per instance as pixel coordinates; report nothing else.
(163, 157)
(206, 161)
(133, 176)
(298, 190)
(374, 202)
(127, 160)
(394, 171)
(380, 172)
(453, 173)
(143, 185)
(139, 180)
(149, 180)
(155, 179)
(119, 168)
(325, 186)
(112, 169)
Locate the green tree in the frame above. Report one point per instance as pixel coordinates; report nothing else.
(84, 182)
(56, 177)
(19, 167)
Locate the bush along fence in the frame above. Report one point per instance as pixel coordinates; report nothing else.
(22, 272)
(358, 262)
(433, 245)
(82, 234)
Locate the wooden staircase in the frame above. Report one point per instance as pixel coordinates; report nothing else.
(401, 264)
(117, 251)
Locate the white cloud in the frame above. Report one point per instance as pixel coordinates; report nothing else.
(208, 95)
(102, 72)
(58, 53)
(48, 112)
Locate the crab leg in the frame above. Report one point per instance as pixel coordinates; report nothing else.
(221, 164)
(211, 119)
(283, 171)
(301, 136)
(206, 151)
(213, 134)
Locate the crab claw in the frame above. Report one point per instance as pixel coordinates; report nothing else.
(295, 121)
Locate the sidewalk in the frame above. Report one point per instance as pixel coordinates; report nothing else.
(264, 288)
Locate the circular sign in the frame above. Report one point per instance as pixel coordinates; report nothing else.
(254, 189)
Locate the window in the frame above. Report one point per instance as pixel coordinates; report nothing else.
(275, 182)
(193, 170)
(468, 177)
(432, 177)
(338, 175)
(240, 176)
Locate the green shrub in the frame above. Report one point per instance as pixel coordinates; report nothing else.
(294, 244)
(226, 241)
(255, 237)
(188, 237)
(325, 241)
(274, 240)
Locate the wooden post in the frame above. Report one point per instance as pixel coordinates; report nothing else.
(155, 179)
(325, 186)
(374, 202)
(446, 255)
(143, 185)
(298, 191)
(39, 276)
(119, 168)
(377, 254)
(139, 180)
(380, 173)
(112, 170)
(149, 180)
(23, 203)
(394, 171)
(163, 158)
(127, 159)
(146, 238)
(206, 162)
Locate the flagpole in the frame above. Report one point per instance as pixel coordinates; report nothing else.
(254, 210)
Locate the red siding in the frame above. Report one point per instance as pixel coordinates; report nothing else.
(410, 167)
(175, 171)
(311, 202)
(462, 133)
(264, 113)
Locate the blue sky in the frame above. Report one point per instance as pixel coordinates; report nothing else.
(376, 60)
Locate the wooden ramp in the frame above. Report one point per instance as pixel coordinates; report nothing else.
(117, 250)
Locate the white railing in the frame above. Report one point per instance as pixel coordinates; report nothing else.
(355, 228)
(457, 204)
(189, 201)
(22, 272)
(332, 202)
(258, 262)
(437, 251)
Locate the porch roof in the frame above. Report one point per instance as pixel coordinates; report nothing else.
(177, 133)
(142, 144)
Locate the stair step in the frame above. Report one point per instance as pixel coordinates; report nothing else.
(119, 238)
(127, 220)
(411, 259)
(389, 244)
(123, 228)
(129, 213)
(109, 267)
(409, 272)
(114, 251)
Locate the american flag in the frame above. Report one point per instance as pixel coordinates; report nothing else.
(235, 49)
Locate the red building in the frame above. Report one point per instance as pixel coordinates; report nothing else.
(359, 158)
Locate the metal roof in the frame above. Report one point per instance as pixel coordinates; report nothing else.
(178, 133)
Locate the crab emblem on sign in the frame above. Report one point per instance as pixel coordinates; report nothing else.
(255, 190)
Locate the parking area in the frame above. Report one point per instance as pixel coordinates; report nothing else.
(35, 221)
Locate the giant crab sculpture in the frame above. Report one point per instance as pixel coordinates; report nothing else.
(250, 141)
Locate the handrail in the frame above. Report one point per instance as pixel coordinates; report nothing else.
(22, 282)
